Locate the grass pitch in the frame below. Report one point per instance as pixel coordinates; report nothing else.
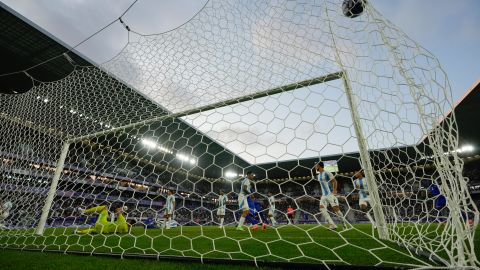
(25, 260)
(294, 243)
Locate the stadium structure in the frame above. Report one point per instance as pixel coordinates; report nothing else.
(76, 134)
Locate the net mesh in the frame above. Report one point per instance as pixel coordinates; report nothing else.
(271, 87)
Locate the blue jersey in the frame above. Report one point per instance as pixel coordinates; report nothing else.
(440, 200)
(251, 205)
(255, 206)
(434, 190)
(258, 207)
(361, 185)
(324, 178)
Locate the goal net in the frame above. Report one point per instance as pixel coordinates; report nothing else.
(130, 157)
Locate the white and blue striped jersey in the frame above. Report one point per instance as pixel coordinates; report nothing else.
(361, 185)
(170, 202)
(245, 182)
(324, 178)
(271, 203)
(222, 202)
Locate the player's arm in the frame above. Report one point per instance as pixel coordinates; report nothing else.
(174, 203)
(355, 185)
(245, 189)
(334, 183)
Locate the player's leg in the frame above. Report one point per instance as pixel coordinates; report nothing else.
(221, 216)
(272, 215)
(263, 219)
(363, 206)
(222, 219)
(96, 209)
(261, 215)
(333, 201)
(101, 224)
(326, 215)
(242, 220)
(243, 205)
(251, 218)
(121, 225)
(272, 218)
(168, 218)
(169, 221)
(3, 216)
(85, 231)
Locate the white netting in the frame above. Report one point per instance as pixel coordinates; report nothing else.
(265, 86)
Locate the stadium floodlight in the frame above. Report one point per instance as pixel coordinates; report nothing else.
(186, 158)
(147, 142)
(181, 157)
(230, 174)
(466, 148)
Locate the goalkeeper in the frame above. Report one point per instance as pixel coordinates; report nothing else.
(103, 226)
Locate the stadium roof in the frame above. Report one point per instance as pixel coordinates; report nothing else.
(467, 111)
(24, 45)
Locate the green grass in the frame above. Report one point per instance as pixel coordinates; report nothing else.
(19, 260)
(303, 243)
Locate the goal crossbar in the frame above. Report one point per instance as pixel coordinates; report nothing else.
(269, 92)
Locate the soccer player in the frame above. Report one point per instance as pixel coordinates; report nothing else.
(254, 216)
(222, 206)
(102, 225)
(169, 208)
(328, 195)
(360, 184)
(4, 212)
(242, 199)
(439, 203)
(271, 208)
(290, 212)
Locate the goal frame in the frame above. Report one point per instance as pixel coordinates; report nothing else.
(379, 219)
